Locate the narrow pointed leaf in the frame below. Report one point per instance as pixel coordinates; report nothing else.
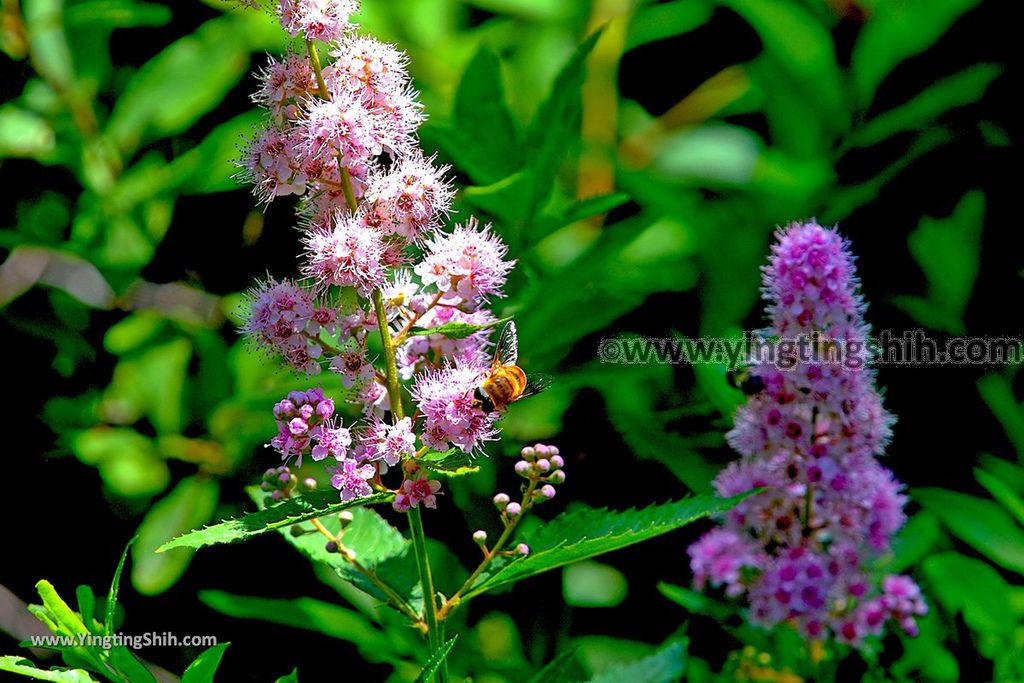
(436, 659)
(203, 668)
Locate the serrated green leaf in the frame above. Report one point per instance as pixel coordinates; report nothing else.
(281, 516)
(981, 523)
(456, 330)
(24, 667)
(587, 532)
(204, 667)
(308, 614)
(436, 659)
(896, 31)
(191, 503)
(664, 666)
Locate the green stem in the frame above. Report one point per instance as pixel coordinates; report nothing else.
(314, 58)
(346, 186)
(452, 603)
(419, 541)
(419, 537)
(390, 364)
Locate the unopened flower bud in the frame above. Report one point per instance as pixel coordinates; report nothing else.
(523, 468)
(557, 477)
(543, 465)
(275, 496)
(513, 510)
(345, 518)
(331, 547)
(296, 530)
(528, 453)
(479, 536)
(548, 491)
(309, 483)
(523, 549)
(265, 485)
(556, 461)
(501, 500)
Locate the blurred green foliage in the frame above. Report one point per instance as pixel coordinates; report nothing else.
(604, 203)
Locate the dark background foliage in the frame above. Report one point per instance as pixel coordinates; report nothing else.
(60, 523)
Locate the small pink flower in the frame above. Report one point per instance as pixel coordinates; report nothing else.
(414, 492)
(466, 264)
(346, 254)
(353, 368)
(351, 479)
(323, 20)
(272, 165)
(390, 443)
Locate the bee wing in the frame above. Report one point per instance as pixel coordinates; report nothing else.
(536, 384)
(507, 350)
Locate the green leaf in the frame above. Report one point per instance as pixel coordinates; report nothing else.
(24, 134)
(592, 584)
(23, 667)
(191, 503)
(694, 602)
(436, 659)
(555, 128)
(981, 523)
(948, 251)
(657, 21)
(204, 667)
(183, 82)
(456, 330)
(452, 463)
(308, 614)
(115, 586)
(210, 165)
(958, 90)
(281, 516)
(803, 49)
(1002, 493)
(914, 542)
(86, 605)
(963, 584)
(127, 460)
(292, 677)
(664, 666)
(482, 117)
(997, 393)
(564, 667)
(896, 31)
(585, 532)
(99, 14)
(151, 383)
